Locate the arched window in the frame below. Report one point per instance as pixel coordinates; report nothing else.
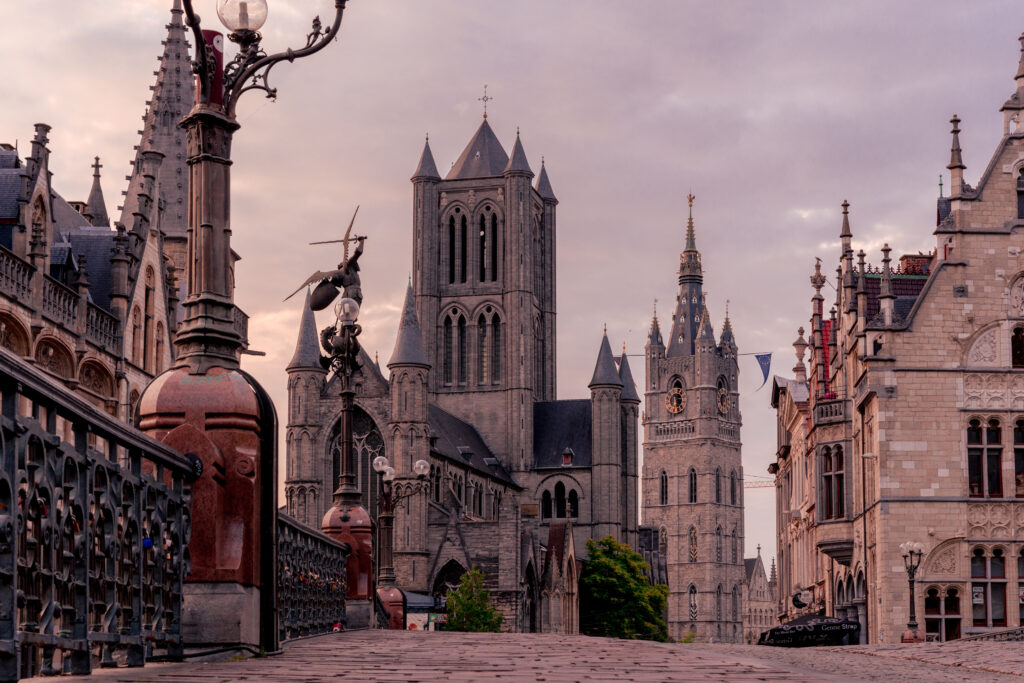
(451, 249)
(463, 351)
(495, 349)
(1017, 347)
(718, 484)
(137, 336)
(560, 500)
(545, 505)
(942, 614)
(693, 602)
(482, 243)
(159, 348)
(1020, 194)
(150, 348)
(735, 547)
(494, 247)
(718, 603)
(463, 254)
(663, 488)
(481, 349)
(448, 351)
(984, 459)
(735, 603)
(693, 544)
(693, 485)
(732, 487)
(988, 588)
(574, 504)
(718, 545)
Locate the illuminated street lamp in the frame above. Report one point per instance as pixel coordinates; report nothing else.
(912, 553)
(388, 501)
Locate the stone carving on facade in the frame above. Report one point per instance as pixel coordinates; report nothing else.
(471, 198)
(444, 199)
(95, 380)
(943, 559)
(501, 194)
(54, 359)
(991, 520)
(985, 350)
(985, 391)
(1017, 298)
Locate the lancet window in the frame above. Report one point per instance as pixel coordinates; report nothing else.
(984, 459)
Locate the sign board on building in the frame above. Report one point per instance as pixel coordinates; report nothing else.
(977, 595)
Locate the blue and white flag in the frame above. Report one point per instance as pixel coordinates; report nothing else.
(765, 361)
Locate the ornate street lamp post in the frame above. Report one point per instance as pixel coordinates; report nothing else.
(389, 500)
(912, 553)
(342, 345)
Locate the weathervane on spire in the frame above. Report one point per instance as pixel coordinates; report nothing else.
(689, 199)
(485, 99)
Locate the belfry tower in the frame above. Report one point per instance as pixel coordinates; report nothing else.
(692, 472)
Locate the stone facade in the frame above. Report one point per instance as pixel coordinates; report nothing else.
(760, 599)
(470, 388)
(914, 425)
(693, 474)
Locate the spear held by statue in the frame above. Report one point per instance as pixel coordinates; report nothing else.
(333, 282)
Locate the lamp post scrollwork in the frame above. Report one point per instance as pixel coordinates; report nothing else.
(389, 500)
(912, 553)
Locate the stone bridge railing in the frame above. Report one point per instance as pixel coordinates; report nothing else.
(1013, 634)
(94, 530)
(310, 580)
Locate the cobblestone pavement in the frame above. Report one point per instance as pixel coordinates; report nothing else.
(394, 656)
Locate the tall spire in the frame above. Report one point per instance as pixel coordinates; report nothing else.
(726, 337)
(307, 346)
(629, 394)
(483, 157)
(172, 98)
(426, 169)
(517, 163)
(956, 162)
(690, 301)
(544, 185)
(409, 343)
(654, 337)
(691, 242)
(96, 208)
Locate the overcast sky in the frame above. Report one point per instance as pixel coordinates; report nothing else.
(771, 113)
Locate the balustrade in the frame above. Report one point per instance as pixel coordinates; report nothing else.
(15, 275)
(310, 579)
(101, 328)
(829, 411)
(94, 527)
(60, 304)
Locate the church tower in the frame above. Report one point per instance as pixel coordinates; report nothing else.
(692, 472)
(484, 285)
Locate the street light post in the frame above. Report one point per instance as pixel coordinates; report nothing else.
(389, 500)
(912, 553)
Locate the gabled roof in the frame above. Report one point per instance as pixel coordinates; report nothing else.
(307, 346)
(409, 343)
(95, 245)
(484, 157)
(605, 372)
(561, 425)
(460, 443)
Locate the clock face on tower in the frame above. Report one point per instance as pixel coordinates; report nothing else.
(724, 401)
(675, 400)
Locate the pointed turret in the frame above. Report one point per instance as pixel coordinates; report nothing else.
(409, 344)
(518, 163)
(654, 337)
(544, 185)
(956, 162)
(307, 346)
(483, 157)
(96, 208)
(706, 332)
(426, 170)
(626, 377)
(886, 297)
(845, 234)
(1012, 107)
(727, 337)
(605, 373)
(173, 96)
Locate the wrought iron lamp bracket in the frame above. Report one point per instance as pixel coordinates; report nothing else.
(250, 68)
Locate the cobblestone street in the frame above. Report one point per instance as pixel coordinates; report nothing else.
(402, 656)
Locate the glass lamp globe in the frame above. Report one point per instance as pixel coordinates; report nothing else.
(421, 468)
(380, 463)
(347, 311)
(389, 473)
(242, 15)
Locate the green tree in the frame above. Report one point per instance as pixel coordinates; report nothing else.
(616, 598)
(469, 607)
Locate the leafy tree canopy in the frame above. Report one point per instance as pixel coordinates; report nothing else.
(469, 607)
(616, 598)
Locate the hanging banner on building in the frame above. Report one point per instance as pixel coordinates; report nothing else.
(765, 361)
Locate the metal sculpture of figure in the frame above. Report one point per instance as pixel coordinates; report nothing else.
(344, 279)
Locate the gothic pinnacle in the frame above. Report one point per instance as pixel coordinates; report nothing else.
(691, 242)
(956, 159)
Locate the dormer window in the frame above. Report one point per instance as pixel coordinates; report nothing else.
(567, 455)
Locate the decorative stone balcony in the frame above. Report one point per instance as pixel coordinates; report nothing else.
(835, 539)
(829, 411)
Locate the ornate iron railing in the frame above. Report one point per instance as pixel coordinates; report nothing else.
(94, 531)
(15, 275)
(310, 580)
(60, 304)
(101, 328)
(241, 323)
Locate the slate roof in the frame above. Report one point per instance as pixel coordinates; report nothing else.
(461, 443)
(544, 185)
(518, 162)
(484, 157)
(307, 347)
(628, 385)
(748, 568)
(409, 343)
(558, 425)
(95, 245)
(426, 168)
(8, 158)
(905, 287)
(10, 187)
(605, 372)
